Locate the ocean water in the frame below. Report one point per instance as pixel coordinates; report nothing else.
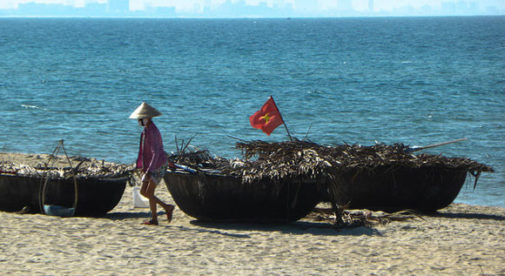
(415, 81)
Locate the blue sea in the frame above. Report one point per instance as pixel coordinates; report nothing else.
(416, 81)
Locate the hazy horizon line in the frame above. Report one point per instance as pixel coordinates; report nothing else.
(249, 17)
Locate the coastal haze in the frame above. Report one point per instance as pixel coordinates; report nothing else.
(248, 8)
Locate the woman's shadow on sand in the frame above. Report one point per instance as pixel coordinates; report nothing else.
(296, 228)
(293, 228)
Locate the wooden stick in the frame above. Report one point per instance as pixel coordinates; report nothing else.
(287, 130)
(187, 144)
(241, 140)
(176, 145)
(413, 149)
(307, 134)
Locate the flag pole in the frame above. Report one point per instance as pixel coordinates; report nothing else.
(282, 119)
(286, 127)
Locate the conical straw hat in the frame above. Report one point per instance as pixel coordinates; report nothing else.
(144, 111)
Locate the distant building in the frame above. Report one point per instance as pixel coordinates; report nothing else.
(448, 7)
(35, 9)
(304, 5)
(345, 5)
(94, 9)
(119, 6)
(159, 12)
(473, 6)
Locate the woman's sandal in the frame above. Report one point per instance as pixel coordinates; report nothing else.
(150, 222)
(170, 213)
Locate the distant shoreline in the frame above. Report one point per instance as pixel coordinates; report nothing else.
(250, 18)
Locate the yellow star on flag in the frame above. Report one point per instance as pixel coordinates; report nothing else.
(266, 117)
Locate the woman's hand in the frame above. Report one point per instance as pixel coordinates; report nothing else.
(146, 177)
(171, 166)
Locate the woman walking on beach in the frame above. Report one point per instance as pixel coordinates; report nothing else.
(152, 160)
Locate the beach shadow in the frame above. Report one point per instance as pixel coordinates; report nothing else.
(294, 228)
(467, 216)
(131, 215)
(128, 215)
(219, 232)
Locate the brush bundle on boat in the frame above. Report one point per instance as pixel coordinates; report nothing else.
(310, 159)
(378, 177)
(200, 159)
(92, 168)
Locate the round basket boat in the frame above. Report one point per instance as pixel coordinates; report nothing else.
(96, 195)
(213, 197)
(391, 188)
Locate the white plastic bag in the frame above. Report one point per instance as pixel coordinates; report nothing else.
(139, 201)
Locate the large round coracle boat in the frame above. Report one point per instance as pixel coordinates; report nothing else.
(210, 196)
(93, 190)
(96, 196)
(391, 188)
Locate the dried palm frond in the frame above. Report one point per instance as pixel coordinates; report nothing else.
(303, 158)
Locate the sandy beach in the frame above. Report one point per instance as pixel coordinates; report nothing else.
(459, 240)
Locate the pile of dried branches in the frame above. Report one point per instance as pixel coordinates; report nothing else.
(199, 159)
(302, 158)
(82, 167)
(276, 160)
(357, 218)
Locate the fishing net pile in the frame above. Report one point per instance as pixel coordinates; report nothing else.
(357, 218)
(277, 160)
(58, 167)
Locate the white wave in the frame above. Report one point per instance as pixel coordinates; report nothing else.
(30, 106)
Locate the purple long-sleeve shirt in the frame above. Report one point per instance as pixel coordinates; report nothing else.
(151, 153)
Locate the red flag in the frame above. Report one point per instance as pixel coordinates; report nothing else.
(267, 118)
